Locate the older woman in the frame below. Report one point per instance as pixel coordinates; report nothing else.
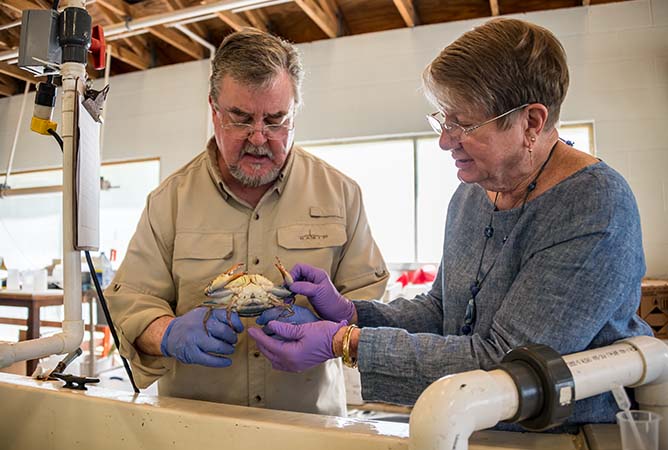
(542, 241)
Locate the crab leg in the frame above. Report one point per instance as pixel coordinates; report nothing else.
(287, 278)
(281, 292)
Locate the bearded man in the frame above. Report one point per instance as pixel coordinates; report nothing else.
(249, 197)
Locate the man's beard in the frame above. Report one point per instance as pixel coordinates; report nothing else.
(252, 180)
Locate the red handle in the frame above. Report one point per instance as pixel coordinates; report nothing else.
(98, 47)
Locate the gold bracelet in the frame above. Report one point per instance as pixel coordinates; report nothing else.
(347, 359)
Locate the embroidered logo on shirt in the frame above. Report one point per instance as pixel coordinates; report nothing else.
(312, 237)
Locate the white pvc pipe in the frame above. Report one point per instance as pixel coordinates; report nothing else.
(599, 370)
(182, 14)
(9, 25)
(72, 335)
(10, 161)
(452, 408)
(9, 54)
(164, 18)
(203, 42)
(653, 396)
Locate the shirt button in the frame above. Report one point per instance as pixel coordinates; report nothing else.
(256, 261)
(256, 354)
(258, 398)
(257, 216)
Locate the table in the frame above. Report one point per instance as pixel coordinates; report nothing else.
(33, 301)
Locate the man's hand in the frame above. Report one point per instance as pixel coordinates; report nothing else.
(315, 284)
(296, 348)
(187, 340)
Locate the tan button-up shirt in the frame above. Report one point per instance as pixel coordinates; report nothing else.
(193, 228)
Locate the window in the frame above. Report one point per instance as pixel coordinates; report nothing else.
(407, 184)
(31, 218)
(384, 171)
(581, 134)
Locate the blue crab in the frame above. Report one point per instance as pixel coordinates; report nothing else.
(247, 294)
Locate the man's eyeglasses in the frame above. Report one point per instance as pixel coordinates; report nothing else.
(455, 130)
(271, 131)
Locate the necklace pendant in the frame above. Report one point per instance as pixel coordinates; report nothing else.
(489, 232)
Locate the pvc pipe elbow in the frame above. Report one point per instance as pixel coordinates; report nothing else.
(453, 407)
(65, 342)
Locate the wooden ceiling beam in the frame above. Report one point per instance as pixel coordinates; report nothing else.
(327, 22)
(232, 20)
(118, 7)
(258, 19)
(178, 40)
(494, 7)
(6, 91)
(20, 74)
(332, 9)
(20, 5)
(586, 2)
(141, 62)
(197, 28)
(408, 13)
(8, 86)
(111, 17)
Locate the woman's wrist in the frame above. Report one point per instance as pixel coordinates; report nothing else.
(344, 344)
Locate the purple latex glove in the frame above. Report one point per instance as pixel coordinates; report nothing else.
(186, 339)
(298, 316)
(296, 348)
(315, 284)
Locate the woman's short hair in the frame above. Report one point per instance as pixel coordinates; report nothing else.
(255, 57)
(498, 66)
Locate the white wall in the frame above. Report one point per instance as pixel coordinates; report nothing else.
(369, 85)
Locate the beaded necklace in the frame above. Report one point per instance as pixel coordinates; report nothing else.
(488, 232)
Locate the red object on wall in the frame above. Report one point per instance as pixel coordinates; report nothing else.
(424, 274)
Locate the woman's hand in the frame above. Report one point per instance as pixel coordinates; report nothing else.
(295, 348)
(315, 284)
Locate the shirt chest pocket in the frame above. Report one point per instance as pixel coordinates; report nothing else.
(312, 236)
(198, 258)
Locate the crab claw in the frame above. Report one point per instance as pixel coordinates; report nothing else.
(287, 278)
(281, 292)
(223, 280)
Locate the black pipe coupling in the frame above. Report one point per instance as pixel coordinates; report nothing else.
(544, 384)
(74, 31)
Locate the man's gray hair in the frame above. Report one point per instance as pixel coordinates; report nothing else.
(255, 57)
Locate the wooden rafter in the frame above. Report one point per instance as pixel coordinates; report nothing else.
(178, 40)
(20, 5)
(168, 35)
(234, 21)
(494, 7)
(327, 22)
(197, 28)
(258, 19)
(141, 62)
(8, 86)
(118, 7)
(408, 13)
(14, 72)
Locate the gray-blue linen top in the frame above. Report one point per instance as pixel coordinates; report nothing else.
(568, 276)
